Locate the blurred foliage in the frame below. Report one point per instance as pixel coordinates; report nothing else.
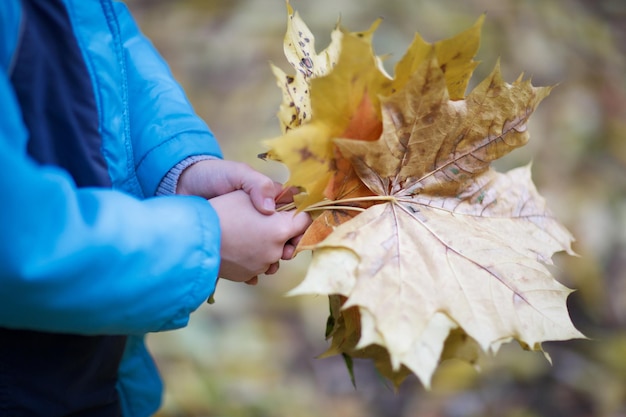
(252, 353)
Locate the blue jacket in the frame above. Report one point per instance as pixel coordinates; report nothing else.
(86, 248)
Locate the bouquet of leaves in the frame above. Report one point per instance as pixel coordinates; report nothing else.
(425, 251)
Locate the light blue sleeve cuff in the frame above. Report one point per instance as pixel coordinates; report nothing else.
(168, 184)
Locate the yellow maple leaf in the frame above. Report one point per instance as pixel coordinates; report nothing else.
(309, 151)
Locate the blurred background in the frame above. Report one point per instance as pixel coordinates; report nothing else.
(252, 353)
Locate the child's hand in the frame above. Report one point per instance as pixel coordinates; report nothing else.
(253, 242)
(214, 177)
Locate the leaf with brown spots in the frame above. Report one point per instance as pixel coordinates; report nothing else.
(299, 47)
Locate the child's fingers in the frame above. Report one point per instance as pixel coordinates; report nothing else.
(288, 251)
(252, 281)
(285, 196)
(290, 248)
(272, 269)
(299, 223)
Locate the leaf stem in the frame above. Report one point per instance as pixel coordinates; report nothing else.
(388, 198)
(341, 204)
(311, 208)
(286, 207)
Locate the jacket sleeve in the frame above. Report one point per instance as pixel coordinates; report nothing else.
(95, 261)
(164, 128)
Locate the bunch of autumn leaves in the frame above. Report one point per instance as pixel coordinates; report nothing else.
(426, 252)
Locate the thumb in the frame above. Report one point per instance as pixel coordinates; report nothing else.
(263, 196)
(299, 223)
(261, 189)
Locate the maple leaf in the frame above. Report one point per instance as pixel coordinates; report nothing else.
(425, 252)
(299, 47)
(350, 88)
(421, 267)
